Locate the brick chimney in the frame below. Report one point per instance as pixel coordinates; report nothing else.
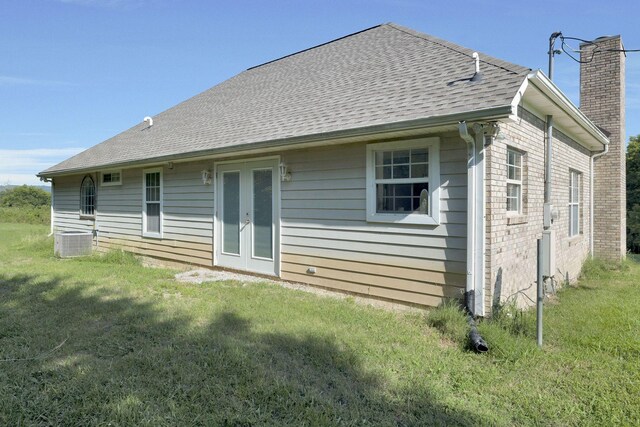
(602, 99)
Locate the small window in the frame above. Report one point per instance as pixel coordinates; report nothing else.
(111, 178)
(575, 179)
(403, 182)
(87, 197)
(514, 181)
(152, 207)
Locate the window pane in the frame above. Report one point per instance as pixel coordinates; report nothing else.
(153, 217)
(514, 173)
(419, 171)
(514, 159)
(152, 191)
(231, 212)
(402, 190)
(262, 213)
(419, 155)
(513, 197)
(401, 197)
(403, 204)
(400, 156)
(421, 197)
(87, 196)
(383, 172)
(513, 190)
(386, 157)
(575, 220)
(400, 171)
(574, 196)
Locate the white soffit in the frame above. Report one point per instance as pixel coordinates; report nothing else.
(543, 97)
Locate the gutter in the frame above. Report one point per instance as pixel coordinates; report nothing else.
(338, 137)
(591, 197)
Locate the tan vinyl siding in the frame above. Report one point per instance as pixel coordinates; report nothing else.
(187, 214)
(324, 226)
(66, 204)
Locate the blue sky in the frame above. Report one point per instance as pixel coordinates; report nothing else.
(76, 72)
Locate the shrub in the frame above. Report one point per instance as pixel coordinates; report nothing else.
(26, 215)
(25, 196)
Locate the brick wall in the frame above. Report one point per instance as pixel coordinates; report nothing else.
(602, 99)
(511, 239)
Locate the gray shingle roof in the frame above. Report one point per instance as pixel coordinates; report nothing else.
(386, 74)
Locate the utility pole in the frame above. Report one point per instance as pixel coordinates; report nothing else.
(553, 51)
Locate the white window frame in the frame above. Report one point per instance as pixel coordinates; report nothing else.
(518, 182)
(82, 198)
(108, 184)
(146, 233)
(433, 218)
(575, 179)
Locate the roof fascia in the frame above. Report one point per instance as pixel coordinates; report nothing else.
(557, 97)
(333, 138)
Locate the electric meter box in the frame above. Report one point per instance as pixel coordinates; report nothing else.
(548, 253)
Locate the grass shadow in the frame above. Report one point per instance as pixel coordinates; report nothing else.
(131, 362)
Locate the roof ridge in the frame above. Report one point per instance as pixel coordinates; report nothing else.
(435, 40)
(315, 47)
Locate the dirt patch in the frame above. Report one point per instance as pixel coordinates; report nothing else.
(204, 275)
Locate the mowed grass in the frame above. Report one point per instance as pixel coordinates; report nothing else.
(105, 341)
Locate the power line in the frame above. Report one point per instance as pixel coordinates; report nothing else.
(595, 51)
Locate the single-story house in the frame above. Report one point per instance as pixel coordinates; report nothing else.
(387, 163)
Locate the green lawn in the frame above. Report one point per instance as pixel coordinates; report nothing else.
(104, 341)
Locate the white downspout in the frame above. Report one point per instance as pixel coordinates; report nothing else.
(591, 201)
(52, 220)
(471, 229)
(479, 211)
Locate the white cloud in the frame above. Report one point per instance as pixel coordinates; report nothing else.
(24, 81)
(19, 167)
(20, 179)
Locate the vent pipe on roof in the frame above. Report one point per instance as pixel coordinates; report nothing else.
(149, 120)
(476, 76)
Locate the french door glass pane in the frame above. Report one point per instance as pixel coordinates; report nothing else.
(231, 212)
(262, 214)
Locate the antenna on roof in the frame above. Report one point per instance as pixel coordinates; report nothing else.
(149, 120)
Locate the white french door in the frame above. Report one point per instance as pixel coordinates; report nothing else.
(248, 216)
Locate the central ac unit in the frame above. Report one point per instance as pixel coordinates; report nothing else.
(73, 243)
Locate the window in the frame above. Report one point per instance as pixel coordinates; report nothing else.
(403, 182)
(87, 197)
(152, 207)
(514, 181)
(574, 203)
(111, 178)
